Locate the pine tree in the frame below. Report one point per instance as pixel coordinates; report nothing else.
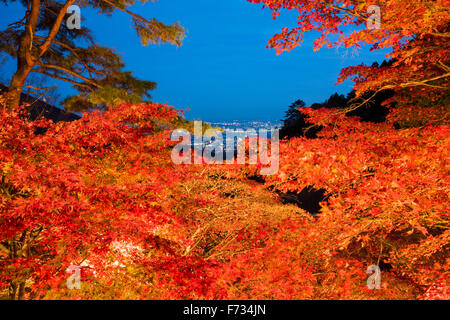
(42, 42)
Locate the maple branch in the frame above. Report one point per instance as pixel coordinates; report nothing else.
(351, 12)
(30, 27)
(402, 85)
(33, 234)
(445, 35)
(48, 9)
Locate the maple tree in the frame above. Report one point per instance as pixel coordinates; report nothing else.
(417, 32)
(102, 193)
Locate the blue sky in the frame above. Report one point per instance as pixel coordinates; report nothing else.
(223, 71)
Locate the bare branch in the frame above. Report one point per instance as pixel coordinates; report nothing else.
(351, 12)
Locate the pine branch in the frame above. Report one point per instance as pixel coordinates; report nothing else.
(73, 51)
(402, 85)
